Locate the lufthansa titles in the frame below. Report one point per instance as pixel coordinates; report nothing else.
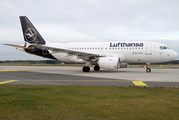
(126, 44)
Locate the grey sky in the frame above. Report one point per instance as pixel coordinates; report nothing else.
(89, 20)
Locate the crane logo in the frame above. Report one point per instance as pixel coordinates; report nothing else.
(30, 35)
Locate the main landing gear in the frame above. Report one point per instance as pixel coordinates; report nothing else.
(148, 70)
(96, 68)
(87, 68)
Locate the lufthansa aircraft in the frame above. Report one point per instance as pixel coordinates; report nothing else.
(106, 55)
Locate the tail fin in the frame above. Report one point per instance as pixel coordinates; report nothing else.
(31, 35)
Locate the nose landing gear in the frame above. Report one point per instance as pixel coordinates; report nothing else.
(148, 70)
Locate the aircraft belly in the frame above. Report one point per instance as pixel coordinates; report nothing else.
(139, 58)
(63, 57)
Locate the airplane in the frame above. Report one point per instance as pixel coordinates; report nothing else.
(106, 55)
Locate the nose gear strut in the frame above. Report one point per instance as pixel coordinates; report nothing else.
(148, 70)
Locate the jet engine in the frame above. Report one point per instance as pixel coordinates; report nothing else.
(109, 62)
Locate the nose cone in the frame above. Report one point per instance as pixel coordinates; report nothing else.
(174, 55)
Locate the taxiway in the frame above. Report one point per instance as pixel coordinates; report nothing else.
(46, 75)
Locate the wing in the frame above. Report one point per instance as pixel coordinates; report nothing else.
(81, 54)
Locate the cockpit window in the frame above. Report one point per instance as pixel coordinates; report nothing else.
(164, 47)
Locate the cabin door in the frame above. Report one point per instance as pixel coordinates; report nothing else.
(148, 49)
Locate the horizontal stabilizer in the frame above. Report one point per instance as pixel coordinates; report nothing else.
(17, 46)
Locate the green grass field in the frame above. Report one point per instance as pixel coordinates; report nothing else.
(88, 102)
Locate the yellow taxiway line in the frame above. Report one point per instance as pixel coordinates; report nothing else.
(20, 70)
(139, 83)
(8, 81)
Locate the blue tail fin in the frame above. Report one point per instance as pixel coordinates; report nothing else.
(31, 35)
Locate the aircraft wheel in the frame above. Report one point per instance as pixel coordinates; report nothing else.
(86, 69)
(96, 68)
(148, 70)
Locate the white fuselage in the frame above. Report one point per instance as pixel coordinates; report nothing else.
(129, 52)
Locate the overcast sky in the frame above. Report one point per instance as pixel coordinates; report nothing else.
(89, 20)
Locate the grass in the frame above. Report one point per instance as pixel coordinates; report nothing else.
(88, 102)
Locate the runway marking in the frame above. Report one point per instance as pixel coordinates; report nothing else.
(20, 70)
(8, 81)
(139, 83)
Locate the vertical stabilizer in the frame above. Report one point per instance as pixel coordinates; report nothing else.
(31, 35)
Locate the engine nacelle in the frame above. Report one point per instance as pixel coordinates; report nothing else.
(109, 62)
